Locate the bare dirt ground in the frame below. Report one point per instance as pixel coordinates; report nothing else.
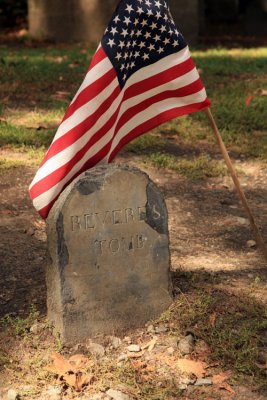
(209, 233)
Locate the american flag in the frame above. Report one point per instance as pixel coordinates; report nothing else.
(141, 76)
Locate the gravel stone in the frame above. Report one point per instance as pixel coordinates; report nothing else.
(186, 345)
(204, 382)
(134, 348)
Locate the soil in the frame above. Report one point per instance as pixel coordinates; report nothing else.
(209, 233)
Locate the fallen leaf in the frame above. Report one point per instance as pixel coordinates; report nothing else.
(264, 92)
(249, 100)
(197, 368)
(221, 377)
(227, 387)
(61, 365)
(212, 319)
(78, 361)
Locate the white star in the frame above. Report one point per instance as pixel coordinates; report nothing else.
(136, 21)
(132, 64)
(132, 33)
(127, 20)
(144, 22)
(147, 35)
(137, 54)
(165, 17)
(125, 56)
(129, 8)
(122, 44)
(116, 19)
(128, 45)
(124, 77)
(171, 32)
(111, 43)
(142, 44)
(157, 4)
(163, 29)
(145, 56)
(156, 38)
(124, 32)
(149, 13)
(175, 43)
(166, 41)
(134, 43)
(158, 15)
(151, 47)
(160, 50)
(138, 33)
(148, 3)
(140, 10)
(118, 56)
(113, 31)
(153, 25)
(122, 67)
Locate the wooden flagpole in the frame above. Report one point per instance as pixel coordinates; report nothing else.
(242, 196)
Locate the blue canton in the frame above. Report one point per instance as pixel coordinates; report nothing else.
(140, 33)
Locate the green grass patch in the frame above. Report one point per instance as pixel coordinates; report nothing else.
(146, 142)
(196, 168)
(20, 136)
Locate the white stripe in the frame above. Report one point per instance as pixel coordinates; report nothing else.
(82, 113)
(86, 110)
(93, 74)
(67, 154)
(155, 109)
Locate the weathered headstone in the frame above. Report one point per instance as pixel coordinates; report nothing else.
(109, 258)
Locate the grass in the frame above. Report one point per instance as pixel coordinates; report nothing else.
(195, 168)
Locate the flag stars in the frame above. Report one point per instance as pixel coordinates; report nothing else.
(163, 29)
(160, 50)
(145, 57)
(116, 19)
(118, 56)
(149, 13)
(157, 4)
(153, 25)
(136, 21)
(147, 35)
(138, 33)
(151, 47)
(113, 31)
(124, 32)
(111, 43)
(121, 44)
(129, 8)
(137, 54)
(158, 15)
(148, 3)
(142, 44)
(127, 20)
(175, 43)
(140, 10)
(144, 22)
(166, 41)
(132, 64)
(157, 38)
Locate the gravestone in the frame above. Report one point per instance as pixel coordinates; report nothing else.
(109, 259)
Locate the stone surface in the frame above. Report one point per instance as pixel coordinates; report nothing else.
(134, 348)
(186, 345)
(109, 262)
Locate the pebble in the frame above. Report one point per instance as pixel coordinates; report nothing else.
(134, 348)
(161, 329)
(150, 329)
(96, 349)
(186, 345)
(204, 382)
(115, 342)
(242, 221)
(170, 350)
(251, 243)
(117, 395)
(12, 395)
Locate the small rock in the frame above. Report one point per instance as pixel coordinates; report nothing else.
(96, 349)
(161, 329)
(134, 348)
(117, 395)
(251, 243)
(150, 329)
(187, 381)
(122, 357)
(170, 350)
(242, 221)
(36, 328)
(186, 345)
(12, 395)
(204, 382)
(115, 342)
(127, 339)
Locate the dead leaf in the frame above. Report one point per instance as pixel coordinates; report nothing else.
(249, 100)
(150, 345)
(221, 377)
(197, 368)
(78, 361)
(61, 365)
(212, 319)
(227, 387)
(263, 92)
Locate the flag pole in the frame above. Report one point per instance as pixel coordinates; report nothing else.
(242, 196)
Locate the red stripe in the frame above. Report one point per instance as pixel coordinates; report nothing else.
(91, 92)
(79, 130)
(97, 58)
(160, 79)
(158, 120)
(136, 89)
(56, 176)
